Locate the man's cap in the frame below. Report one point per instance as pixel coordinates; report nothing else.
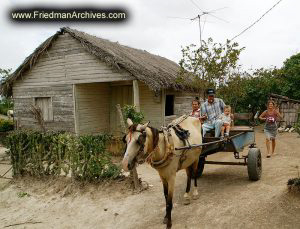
(210, 91)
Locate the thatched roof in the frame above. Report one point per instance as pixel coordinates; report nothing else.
(156, 71)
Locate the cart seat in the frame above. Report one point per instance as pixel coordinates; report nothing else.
(241, 129)
(233, 130)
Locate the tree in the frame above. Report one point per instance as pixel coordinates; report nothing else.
(4, 73)
(210, 65)
(250, 91)
(233, 91)
(291, 79)
(5, 103)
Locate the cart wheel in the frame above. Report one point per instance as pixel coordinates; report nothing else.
(200, 167)
(254, 164)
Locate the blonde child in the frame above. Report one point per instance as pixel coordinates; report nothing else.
(226, 118)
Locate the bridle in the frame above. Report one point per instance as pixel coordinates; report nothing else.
(141, 142)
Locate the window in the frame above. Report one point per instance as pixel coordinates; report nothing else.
(169, 106)
(45, 104)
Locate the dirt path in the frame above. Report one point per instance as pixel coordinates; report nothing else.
(227, 198)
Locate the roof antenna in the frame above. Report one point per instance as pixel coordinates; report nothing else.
(202, 13)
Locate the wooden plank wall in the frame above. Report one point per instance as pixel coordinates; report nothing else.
(62, 103)
(62, 65)
(122, 95)
(290, 112)
(67, 62)
(93, 108)
(151, 106)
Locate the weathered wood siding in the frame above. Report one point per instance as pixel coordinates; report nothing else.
(122, 95)
(65, 63)
(290, 112)
(92, 108)
(151, 106)
(62, 104)
(289, 109)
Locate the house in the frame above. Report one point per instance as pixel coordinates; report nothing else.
(78, 79)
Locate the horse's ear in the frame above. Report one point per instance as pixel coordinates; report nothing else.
(143, 127)
(129, 122)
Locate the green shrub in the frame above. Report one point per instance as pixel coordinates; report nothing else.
(6, 125)
(5, 105)
(59, 153)
(294, 181)
(129, 111)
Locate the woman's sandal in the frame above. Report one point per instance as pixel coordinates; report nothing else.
(268, 156)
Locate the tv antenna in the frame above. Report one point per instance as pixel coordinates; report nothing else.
(200, 16)
(205, 13)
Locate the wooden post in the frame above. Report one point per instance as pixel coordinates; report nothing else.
(133, 172)
(121, 118)
(136, 103)
(136, 95)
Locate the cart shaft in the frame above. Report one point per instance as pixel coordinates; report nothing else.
(225, 163)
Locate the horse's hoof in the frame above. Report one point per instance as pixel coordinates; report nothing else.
(165, 220)
(195, 197)
(187, 201)
(169, 226)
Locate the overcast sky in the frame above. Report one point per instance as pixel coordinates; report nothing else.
(151, 28)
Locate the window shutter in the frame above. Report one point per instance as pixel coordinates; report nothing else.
(45, 104)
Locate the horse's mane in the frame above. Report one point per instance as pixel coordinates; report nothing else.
(154, 131)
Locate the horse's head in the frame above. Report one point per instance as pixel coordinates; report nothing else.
(136, 144)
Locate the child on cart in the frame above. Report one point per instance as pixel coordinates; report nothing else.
(226, 119)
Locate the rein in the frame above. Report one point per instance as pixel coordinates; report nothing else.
(168, 152)
(169, 149)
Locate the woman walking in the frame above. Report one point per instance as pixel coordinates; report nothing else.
(270, 116)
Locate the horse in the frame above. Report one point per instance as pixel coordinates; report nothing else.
(146, 143)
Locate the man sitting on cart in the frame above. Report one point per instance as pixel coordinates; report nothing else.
(211, 110)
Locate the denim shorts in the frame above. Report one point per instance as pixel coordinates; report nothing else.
(270, 134)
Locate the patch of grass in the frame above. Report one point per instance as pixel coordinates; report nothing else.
(23, 194)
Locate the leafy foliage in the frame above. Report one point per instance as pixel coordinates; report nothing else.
(209, 65)
(4, 73)
(6, 125)
(291, 82)
(5, 105)
(249, 92)
(58, 153)
(129, 111)
(294, 181)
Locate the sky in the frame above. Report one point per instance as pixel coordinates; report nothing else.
(152, 26)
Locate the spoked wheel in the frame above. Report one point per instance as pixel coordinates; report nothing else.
(254, 164)
(200, 167)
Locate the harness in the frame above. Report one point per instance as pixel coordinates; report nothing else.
(182, 134)
(166, 160)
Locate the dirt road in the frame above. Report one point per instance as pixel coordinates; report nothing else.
(227, 198)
